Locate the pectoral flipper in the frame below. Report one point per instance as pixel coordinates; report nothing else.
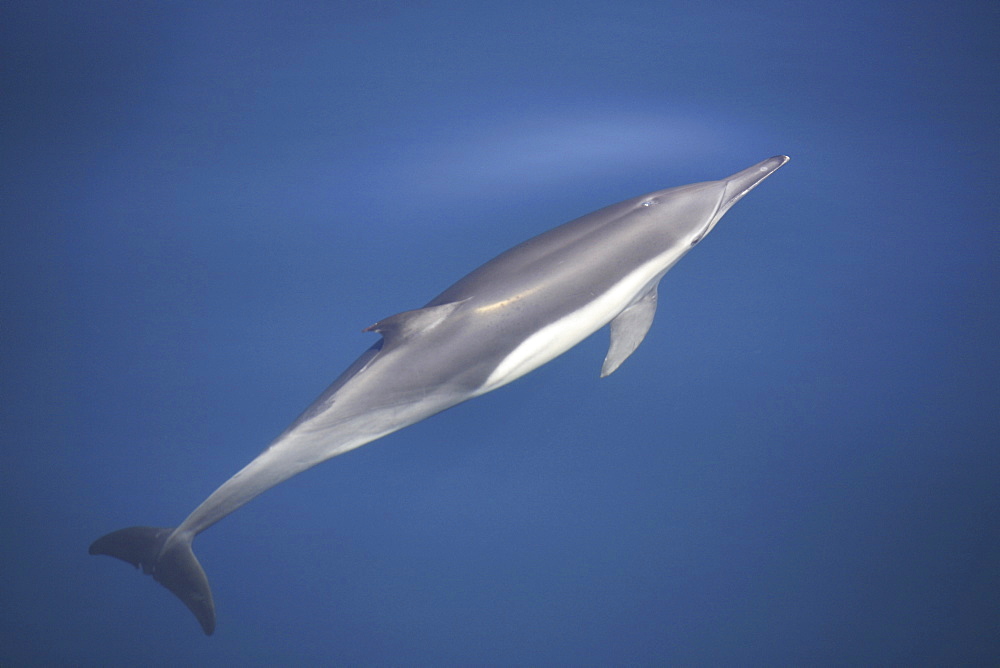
(628, 330)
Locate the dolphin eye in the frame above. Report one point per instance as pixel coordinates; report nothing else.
(650, 202)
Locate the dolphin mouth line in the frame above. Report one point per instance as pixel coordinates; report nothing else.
(727, 201)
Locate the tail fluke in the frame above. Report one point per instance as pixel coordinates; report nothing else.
(171, 563)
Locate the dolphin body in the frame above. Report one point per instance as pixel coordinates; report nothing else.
(508, 317)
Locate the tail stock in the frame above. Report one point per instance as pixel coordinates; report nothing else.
(171, 562)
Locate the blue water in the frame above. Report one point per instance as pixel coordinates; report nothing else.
(204, 203)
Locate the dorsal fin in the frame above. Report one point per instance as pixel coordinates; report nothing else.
(403, 325)
(628, 329)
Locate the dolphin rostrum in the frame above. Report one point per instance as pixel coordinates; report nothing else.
(508, 317)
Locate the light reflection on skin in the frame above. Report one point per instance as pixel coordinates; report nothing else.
(487, 308)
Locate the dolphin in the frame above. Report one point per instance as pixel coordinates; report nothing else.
(508, 317)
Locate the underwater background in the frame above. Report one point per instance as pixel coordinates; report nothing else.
(204, 203)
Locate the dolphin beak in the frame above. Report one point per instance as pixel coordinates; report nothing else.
(736, 186)
(740, 183)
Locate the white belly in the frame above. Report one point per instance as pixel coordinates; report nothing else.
(556, 338)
